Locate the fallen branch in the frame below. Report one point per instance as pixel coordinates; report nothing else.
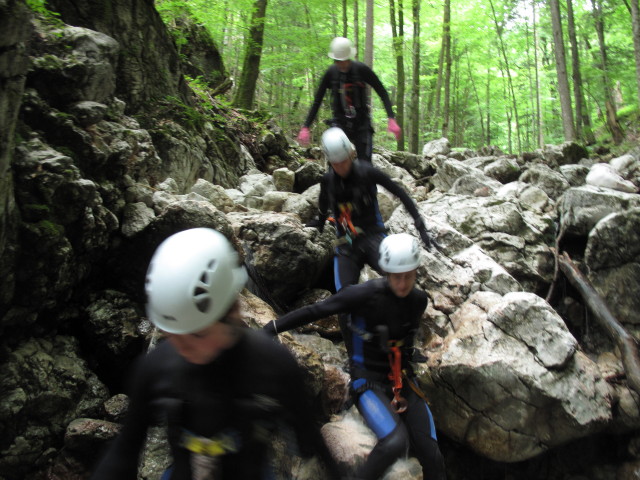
(556, 270)
(625, 342)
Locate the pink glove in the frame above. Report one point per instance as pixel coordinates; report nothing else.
(303, 136)
(394, 128)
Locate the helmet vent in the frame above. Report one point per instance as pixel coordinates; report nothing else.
(203, 302)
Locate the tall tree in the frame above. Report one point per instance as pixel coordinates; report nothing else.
(245, 93)
(539, 117)
(345, 21)
(561, 72)
(397, 31)
(356, 28)
(499, 29)
(583, 120)
(635, 27)
(611, 114)
(368, 41)
(415, 82)
(446, 41)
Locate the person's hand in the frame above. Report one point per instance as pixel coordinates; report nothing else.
(394, 128)
(427, 239)
(304, 136)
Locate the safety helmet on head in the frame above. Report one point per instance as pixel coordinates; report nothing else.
(399, 253)
(341, 49)
(336, 145)
(192, 280)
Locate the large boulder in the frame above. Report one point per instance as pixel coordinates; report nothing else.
(510, 382)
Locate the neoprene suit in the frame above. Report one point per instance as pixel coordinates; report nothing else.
(378, 315)
(349, 103)
(357, 192)
(238, 400)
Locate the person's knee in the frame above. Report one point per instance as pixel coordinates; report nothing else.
(396, 444)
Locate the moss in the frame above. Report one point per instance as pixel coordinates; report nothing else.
(50, 229)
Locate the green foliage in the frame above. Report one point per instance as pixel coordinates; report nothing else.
(297, 36)
(39, 7)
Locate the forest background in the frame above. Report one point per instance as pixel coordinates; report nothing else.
(516, 74)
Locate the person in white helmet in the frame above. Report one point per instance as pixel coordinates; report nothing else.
(347, 79)
(385, 315)
(221, 388)
(349, 192)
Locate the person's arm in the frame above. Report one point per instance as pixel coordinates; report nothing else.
(382, 179)
(317, 101)
(370, 77)
(121, 458)
(340, 302)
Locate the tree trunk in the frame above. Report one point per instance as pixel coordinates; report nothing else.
(540, 122)
(251, 66)
(397, 31)
(509, 79)
(368, 45)
(477, 97)
(612, 121)
(446, 39)
(624, 341)
(561, 71)
(368, 41)
(583, 120)
(635, 27)
(345, 20)
(356, 28)
(415, 82)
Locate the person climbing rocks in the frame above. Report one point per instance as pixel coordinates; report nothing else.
(349, 192)
(385, 315)
(222, 389)
(347, 79)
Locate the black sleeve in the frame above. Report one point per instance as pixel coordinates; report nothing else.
(382, 179)
(121, 458)
(323, 198)
(317, 101)
(370, 77)
(342, 302)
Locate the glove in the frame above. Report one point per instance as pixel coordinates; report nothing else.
(315, 223)
(394, 128)
(304, 136)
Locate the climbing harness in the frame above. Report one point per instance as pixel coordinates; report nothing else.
(399, 403)
(344, 226)
(211, 447)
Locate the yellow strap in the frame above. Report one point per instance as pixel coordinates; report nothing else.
(211, 447)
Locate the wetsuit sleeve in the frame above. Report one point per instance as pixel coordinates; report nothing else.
(323, 199)
(342, 302)
(382, 179)
(121, 458)
(370, 77)
(325, 83)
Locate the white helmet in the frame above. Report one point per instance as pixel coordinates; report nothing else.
(336, 145)
(192, 280)
(399, 253)
(341, 49)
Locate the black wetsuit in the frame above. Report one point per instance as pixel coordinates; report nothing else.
(349, 103)
(379, 316)
(357, 193)
(240, 399)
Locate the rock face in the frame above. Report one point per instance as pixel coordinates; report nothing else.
(93, 189)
